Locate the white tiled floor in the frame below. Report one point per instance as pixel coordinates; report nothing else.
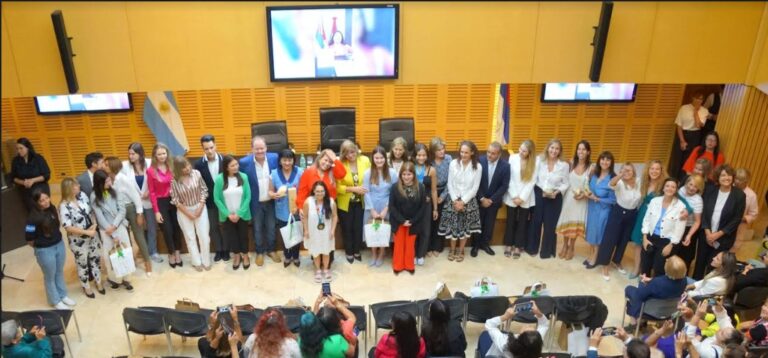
(101, 321)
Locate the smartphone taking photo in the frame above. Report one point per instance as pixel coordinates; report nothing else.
(326, 288)
(524, 307)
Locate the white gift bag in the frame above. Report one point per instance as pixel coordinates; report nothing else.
(121, 259)
(578, 341)
(377, 233)
(484, 287)
(292, 233)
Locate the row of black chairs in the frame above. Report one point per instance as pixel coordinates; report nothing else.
(336, 125)
(54, 321)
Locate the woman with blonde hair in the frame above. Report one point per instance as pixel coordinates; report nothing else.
(519, 198)
(350, 199)
(398, 153)
(670, 284)
(188, 194)
(78, 221)
(552, 183)
(691, 192)
(651, 186)
(159, 178)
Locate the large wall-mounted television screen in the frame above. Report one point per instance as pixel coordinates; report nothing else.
(588, 92)
(80, 103)
(333, 42)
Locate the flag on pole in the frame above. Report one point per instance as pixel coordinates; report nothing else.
(320, 35)
(161, 114)
(500, 127)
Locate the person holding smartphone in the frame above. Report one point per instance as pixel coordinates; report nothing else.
(216, 344)
(34, 343)
(713, 347)
(494, 342)
(329, 330)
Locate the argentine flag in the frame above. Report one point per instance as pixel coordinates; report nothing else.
(500, 120)
(161, 114)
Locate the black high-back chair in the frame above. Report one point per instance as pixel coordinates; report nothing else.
(391, 128)
(361, 322)
(747, 302)
(184, 324)
(382, 313)
(142, 321)
(275, 133)
(336, 125)
(52, 320)
(481, 309)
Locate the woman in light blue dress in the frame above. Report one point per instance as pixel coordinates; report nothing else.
(601, 199)
(378, 181)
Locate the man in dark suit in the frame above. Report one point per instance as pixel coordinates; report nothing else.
(210, 166)
(258, 166)
(93, 161)
(493, 185)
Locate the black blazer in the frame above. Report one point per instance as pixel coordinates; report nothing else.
(730, 218)
(402, 208)
(495, 188)
(202, 166)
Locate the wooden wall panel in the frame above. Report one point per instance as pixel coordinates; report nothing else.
(635, 131)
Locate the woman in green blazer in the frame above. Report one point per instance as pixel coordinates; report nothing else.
(232, 195)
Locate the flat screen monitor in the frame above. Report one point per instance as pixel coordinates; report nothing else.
(84, 103)
(333, 42)
(588, 92)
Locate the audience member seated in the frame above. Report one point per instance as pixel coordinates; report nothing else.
(271, 338)
(757, 330)
(633, 348)
(216, 342)
(442, 335)
(751, 276)
(719, 280)
(527, 344)
(713, 347)
(32, 344)
(324, 333)
(663, 339)
(671, 284)
(403, 340)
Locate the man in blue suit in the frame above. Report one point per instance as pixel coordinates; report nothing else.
(258, 166)
(493, 185)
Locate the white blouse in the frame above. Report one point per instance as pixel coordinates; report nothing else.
(233, 195)
(718, 211)
(517, 188)
(628, 198)
(696, 203)
(129, 193)
(557, 179)
(463, 181)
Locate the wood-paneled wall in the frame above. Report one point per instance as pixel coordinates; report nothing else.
(743, 127)
(636, 131)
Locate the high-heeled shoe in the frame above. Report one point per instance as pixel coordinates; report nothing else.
(92, 295)
(248, 260)
(236, 263)
(101, 290)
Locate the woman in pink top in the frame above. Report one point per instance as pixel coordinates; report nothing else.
(159, 178)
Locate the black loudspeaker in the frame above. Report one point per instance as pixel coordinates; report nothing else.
(65, 50)
(600, 40)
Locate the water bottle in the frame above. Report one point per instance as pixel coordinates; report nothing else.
(302, 162)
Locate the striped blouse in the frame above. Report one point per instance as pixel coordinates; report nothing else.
(189, 195)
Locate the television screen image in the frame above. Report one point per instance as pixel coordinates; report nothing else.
(587, 92)
(333, 42)
(79, 103)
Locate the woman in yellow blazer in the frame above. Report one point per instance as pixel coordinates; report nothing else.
(349, 199)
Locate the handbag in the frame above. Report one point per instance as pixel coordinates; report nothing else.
(187, 305)
(377, 233)
(292, 233)
(121, 258)
(484, 287)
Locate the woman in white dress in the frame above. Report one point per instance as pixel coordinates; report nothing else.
(319, 228)
(572, 222)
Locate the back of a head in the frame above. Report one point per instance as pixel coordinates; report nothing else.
(312, 334)
(435, 330)
(734, 350)
(9, 331)
(526, 345)
(329, 317)
(636, 348)
(404, 331)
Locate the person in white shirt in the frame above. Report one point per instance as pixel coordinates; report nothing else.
(691, 118)
(620, 220)
(750, 209)
(519, 198)
(528, 343)
(551, 183)
(691, 192)
(719, 281)
(662, 229)
(714, 346)
(135, 170)
(461, 214)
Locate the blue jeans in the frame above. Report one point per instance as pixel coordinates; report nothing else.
(51, 260)
(151, 232)
(264, 227)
